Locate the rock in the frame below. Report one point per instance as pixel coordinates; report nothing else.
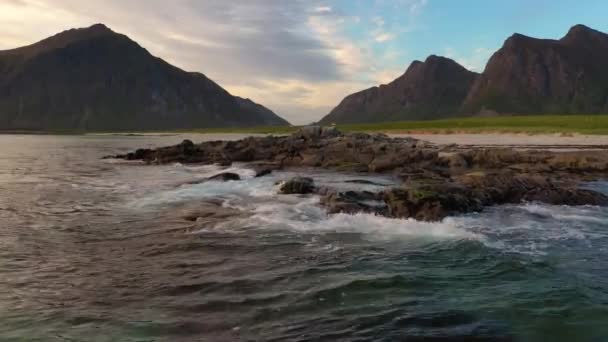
(437, 182)
(316, 132)
(262, 173)
(475, 191)
(225, 177)
(186, 146)
(454, 160)
(263, 168)
(430, 203)
(352, 202)
(298, 185)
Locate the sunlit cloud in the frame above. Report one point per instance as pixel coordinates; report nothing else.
(299, 57)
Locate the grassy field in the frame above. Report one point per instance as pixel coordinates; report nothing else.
(540, 124)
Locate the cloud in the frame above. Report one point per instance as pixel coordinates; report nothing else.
(322, 9)
(292, 56)
(384, 37)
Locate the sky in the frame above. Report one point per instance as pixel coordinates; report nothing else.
(301, 57)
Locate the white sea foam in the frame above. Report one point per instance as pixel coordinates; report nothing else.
(535, 229)
(306, 216)
(526, 229)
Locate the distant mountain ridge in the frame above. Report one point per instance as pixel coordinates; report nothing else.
(525, 76)
(535, 76)
(96, 79)
(434, 87)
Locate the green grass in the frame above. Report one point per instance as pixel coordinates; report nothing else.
(539, 124)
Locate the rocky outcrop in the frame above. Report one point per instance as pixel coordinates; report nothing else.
(352, 202)
(409, 158)
(434, 201)
(438, 181)
(96, 79)
(298, 185)
(431, 89)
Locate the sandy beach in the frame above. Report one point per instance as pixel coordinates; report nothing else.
(525, 141)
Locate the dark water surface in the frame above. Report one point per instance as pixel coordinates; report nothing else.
(94, 250)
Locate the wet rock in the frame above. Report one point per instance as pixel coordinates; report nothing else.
(186, 146)
(316, 132)
(263, 172)
(298, 185)
(262, 169)
(352, 202)
(453, 160)
(473, 192)
(430, 203)
(437, 180)
(225, 177)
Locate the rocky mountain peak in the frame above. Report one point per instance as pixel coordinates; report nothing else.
(433, 88)
(581, 35)
(96, 79)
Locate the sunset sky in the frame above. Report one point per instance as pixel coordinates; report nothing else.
(301, 57)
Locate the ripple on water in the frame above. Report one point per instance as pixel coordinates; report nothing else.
(92, 250)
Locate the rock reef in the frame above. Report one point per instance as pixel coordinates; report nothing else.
(437, 181)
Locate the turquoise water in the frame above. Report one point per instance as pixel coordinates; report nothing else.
(94, 250)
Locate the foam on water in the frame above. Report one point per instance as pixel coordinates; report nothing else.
(530, 229)
(308, 217)
(536, 229)
(305, 215)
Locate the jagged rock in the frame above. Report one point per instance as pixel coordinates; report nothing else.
(352, 202)
(436, 182)
(454, 160)
(434, 201)
(298, 185)
(316, 132)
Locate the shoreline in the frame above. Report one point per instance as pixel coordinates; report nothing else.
(557, 141)
(437, 180)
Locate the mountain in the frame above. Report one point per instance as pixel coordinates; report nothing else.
(526, 76)
(96, 79)
(536, 76)
(431, 89)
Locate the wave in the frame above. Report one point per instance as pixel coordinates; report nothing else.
(306, 216)
(531, 229)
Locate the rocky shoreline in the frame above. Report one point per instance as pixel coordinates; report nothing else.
(437, 180)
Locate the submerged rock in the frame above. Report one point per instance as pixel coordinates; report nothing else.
(352, 202)
(225, 176)
(298, 185)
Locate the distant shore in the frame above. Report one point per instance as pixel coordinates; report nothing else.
(545, 129)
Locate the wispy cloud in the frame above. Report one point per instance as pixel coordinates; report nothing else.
(297, 56)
